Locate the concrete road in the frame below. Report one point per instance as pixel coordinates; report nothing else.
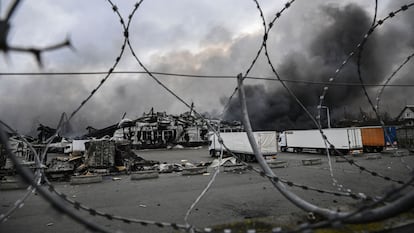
(233, 196)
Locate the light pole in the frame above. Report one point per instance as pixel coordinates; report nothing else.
(327, 114)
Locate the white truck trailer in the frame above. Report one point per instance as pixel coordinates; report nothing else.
(346, 140)
(238, 143)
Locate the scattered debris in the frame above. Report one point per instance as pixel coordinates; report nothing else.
(61, 168)
(194, 171)
(224, 161)
(170, 167)
(116, 178)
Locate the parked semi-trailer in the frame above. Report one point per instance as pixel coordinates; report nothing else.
(344, 139)
(238, 143)
(373, 138)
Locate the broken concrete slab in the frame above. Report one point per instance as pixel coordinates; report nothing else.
(311, 161)
(85, 179)
(278, 164)
(234, 167)
(143, 175)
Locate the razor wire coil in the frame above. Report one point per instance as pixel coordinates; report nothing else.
(35, 182)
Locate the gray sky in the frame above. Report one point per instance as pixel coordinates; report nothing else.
(184, 36)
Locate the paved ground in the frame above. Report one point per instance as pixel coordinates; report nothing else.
(233, 197)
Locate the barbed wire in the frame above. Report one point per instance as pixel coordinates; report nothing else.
(336, 222)
(198, 76)
(351, 54)
(359, 47)
(379, 213)
(94, 212)
(377, 105)
(265, 37)
(325, 89)
(28, 177)
(19, 203)
(293, 95)
(35, 51)
(57, 201)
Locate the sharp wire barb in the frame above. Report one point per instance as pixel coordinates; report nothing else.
(373, 209)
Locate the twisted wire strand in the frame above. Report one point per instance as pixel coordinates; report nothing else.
(39, 169)
(93, 212)
(381, 91)
(365, 38)
(359, 47)
(325, 89)
(265, 37)
(199, 116)
(402, 204)
(290, 183)
(336, 222)
(58, 204)
(293, 95)
(353, 217)
(181, 75)
(108, 74)
(30, 189)
(359, 60)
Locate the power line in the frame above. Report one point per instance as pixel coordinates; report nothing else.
(297, 81)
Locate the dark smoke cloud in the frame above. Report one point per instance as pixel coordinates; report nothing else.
(272, 108)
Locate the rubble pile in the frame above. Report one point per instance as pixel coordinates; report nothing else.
(113, 148)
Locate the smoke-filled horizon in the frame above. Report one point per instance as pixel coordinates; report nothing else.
(308, 42)
(272, 108)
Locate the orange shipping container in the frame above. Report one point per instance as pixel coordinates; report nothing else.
(373, 137)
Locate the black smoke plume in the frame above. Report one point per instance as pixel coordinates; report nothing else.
(272, 108)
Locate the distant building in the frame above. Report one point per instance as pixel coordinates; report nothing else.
(406, 117)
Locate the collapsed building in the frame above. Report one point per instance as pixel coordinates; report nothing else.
(113, 148)
(160, 130)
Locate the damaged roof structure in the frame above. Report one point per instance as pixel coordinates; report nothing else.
(160, 130)
(112, 149)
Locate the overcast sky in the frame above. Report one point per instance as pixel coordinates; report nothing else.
(181, 36)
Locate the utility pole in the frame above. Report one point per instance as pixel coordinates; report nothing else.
(327, 115)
